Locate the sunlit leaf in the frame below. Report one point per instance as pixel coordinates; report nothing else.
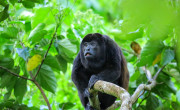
(150, 51)
(37, 33)
(33, 62)
(43, 15)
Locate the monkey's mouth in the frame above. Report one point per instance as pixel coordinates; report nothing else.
(87, 54)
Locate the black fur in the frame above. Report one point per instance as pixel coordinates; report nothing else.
(108, 65)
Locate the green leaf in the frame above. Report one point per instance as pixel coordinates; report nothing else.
(9, 33)
(47, 79)
(165, 89)
(68, 48)
(37, 33)
(13, 1)
(5, 79)
(8, 80)
(167, 56)
(28, 4)
(69, 17)
(36, 1)
(20, 89)
(152, 102)
(6, 62)
(135, 76)
(27, 26)
(66, 106)
(52, 62)
(62, 63)
(135, 35)
(23, 53)
(43, 15)
(3, 2)
(149, 52)
(4, 14)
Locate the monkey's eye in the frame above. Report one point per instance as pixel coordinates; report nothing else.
(85, 44)
(93, 44)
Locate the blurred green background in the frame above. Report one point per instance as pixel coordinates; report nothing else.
(27, 27)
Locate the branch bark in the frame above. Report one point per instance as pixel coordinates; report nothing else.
(15, 74)
(126, 100)
(114, 90)
(46, 52)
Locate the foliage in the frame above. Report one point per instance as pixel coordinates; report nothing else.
(28, 26)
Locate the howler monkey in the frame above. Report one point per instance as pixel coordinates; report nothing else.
(99, 58)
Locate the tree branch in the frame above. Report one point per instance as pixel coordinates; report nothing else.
(46, 52)
(114, 90)
(156, 75)
(94, 100)
(119, 92)
(43, 94)
(15, 74)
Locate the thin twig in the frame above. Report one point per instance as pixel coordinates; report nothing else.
(148, 73)
(46, 52)
(43, 94)
(156, 75)
(15, 74)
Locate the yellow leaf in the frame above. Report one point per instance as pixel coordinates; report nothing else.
(34, 62)
(158, 59)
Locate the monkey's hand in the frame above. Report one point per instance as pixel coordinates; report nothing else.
(92, 81)
(88, 107)
(87, 93)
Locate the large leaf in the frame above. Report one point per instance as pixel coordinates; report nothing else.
(47, 79)
(62, 63)
(37, 33)
(52, 62)
(149, 52)
(167, 56)
(68, 48)
(43, 15)
(20, 89)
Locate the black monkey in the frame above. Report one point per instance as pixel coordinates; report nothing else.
(100, 58)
